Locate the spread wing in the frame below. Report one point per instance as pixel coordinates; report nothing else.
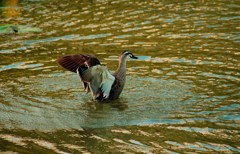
(79, 62)
(73, 62)
(100, 80)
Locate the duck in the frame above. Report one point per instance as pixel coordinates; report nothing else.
(95, 77)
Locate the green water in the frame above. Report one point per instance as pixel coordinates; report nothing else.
(182, 95)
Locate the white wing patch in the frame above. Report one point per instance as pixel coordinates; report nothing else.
(107, 82)
(99, 78)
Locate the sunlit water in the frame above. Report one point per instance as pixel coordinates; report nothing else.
(182, 94)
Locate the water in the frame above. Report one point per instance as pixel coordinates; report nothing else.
(182, 94)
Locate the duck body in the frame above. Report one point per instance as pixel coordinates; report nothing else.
(96, 78)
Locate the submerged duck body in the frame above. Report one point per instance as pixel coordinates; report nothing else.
(95, 77)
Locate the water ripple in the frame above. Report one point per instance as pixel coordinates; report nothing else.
(20, 65)
(185, 82)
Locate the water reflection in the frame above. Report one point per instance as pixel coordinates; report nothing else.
(185, 82)
(10, 8)
(130, 110)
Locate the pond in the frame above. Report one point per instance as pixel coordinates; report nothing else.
(182, 95)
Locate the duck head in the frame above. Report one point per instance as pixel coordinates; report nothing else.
(126, 53)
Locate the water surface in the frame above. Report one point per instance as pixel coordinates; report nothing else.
(182, 94)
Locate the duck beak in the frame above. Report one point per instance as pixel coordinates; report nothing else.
(133, 57)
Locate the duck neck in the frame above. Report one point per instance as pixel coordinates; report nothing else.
(121, 71)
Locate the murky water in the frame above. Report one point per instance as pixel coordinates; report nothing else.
(182, 94)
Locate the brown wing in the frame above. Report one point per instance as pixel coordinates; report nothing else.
(81, 61)
(73, 62)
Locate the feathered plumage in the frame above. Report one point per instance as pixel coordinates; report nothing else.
(96, 77)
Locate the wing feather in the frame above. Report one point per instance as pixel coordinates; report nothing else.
(99, 79)
(78, 63)
(107, 82)
(73, 62)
